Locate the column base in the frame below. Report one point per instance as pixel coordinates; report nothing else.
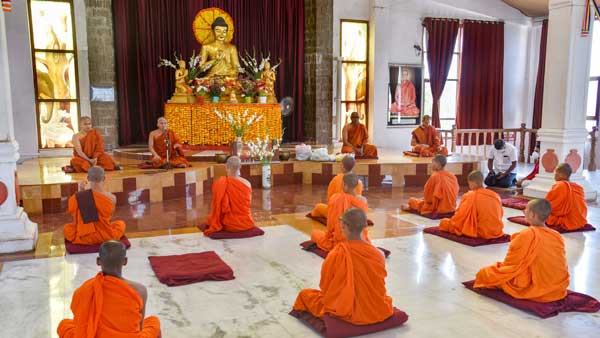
(540, 186)
(23, 240)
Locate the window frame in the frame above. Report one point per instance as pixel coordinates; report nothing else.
(365, 63)
(596, 116)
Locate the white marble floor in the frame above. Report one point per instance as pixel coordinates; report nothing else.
(424, 279)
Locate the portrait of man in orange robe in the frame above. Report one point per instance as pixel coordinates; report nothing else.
(355, 137)
(426, 141)
(337, 186)
(405, 98)
(569, 210)
(88, 149)
(162, 139)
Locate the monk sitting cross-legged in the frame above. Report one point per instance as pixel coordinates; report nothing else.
(336, 206)
(337, 186)
(161, 140)
(479, 214)
(440, 191)
(353, 275)
(108, 305)
(88, 149)
(355, 137)
(569, 210)
(91, 210)
(231, 199)
(535, 267)
(425, 140)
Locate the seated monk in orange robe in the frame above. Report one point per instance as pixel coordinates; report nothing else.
(569, 210)
(425, 140)
(336, 206)
(353, 275)
(337, 186)
(109, 305)
(355, 137)
(157, 143)
(479, 214)
(88, 149)
(91, 220)
(535, 267)
(440, 191)
(231, 200)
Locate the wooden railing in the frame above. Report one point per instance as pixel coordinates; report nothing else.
(594, 139)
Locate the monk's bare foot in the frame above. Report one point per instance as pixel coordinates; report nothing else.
(405, 207)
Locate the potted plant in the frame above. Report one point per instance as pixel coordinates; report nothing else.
(215, 90)
(264, 151)
(261, 90)
(248, 90)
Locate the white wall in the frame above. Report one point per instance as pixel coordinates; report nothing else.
(395, 26)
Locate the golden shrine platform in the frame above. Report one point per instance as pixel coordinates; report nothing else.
(197, 123)
(45, 188)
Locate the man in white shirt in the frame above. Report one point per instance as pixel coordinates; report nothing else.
(502, 161)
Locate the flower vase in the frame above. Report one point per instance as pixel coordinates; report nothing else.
(266, 176)
(262, 99)
(248, 99)
(215, 99)
(238, 146)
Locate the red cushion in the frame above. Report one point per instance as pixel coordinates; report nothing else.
(470, 241)
(331, 327)
(521, 220)
(252, 232)
(310, 246)
(432, 215)
(190, 268)
(145, 165)
(74, 249)
(574, 302)
(515, 203)
(323, 220)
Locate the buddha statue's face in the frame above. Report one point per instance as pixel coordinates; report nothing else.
(220, 33)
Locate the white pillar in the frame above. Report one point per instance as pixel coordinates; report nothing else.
(563, 132)
(17, 232)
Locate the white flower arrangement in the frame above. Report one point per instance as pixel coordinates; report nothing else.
(196, 67)
(239, 123)
(263, 150)
(252, 67)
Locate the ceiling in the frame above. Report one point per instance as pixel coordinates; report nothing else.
(532, 8)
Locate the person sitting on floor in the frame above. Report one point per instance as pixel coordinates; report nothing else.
(162, 139)
(88, 149)
(232, 196)
(92, 210)
(355, 137)
(352, 286)
(569, 210)
(502, 161)
(337, 186)
(479, 214)
(440, 191)
(425, 140)
(336, 206)
(109, 305)
(535, 267)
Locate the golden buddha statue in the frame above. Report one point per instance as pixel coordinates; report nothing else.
(220, 54)
(268, 76)
(183, 91)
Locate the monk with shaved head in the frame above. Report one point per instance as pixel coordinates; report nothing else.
(426, 141)
(355, 137)
(353, 275)
(88, 149)
(479, 214)
(232, 196)
(92, 210)
(337, 186)
(569, 210)
(163, 140)
(109, 305)
(535, 267)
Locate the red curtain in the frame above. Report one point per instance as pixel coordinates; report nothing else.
(147, 30)
(441, 38)
(481, 76)
(539, 86)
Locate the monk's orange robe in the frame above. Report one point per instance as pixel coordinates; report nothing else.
(439, 194)
(358, 137)
(569, 210)
(479, 215)
(95, 232)
(352, 286)
(336, 186)
(176, 155)
(92, 144)
(106, 306)
(430, 137)
(534, 268)
(230, 206)
(337, 205)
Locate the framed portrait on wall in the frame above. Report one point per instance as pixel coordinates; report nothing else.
(405, 95)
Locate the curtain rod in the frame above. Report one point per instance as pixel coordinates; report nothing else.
(462, 20)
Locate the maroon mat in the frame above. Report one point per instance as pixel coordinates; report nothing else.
(323, 220)
(413, 154)
(365, 157)
(331, 327)
(310, 246)
(190, 268)
(145, 165)
(433, 215)
(75, 249)
(574, 302)
(67, 169)
(253, 232)
(470, 241)
(521, 220)
(515, 203)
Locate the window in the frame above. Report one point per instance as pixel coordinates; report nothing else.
(449, 99)
(593, 101)
(354, 48)
(54, 71)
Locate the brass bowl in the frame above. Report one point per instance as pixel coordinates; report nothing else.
(221, 157)
(284, 155)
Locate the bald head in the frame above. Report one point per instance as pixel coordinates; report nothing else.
(538, 208)
(161, 123)
(233, 163)
(95, 174)
(563, 172)
(112, 255)
(475, 178)
(355, 220)
(348, 162)
(350, 181)
(85, 119)
(440, 160)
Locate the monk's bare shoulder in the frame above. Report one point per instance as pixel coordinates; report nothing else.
(362, 198)
(154, 133)
(245, 181)
(111, 196)
(139, 288)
